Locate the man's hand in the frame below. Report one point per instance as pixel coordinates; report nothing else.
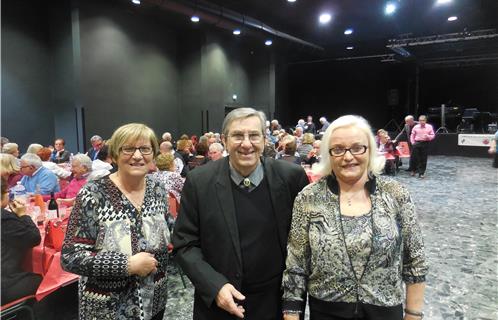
(142, 264)
(225, 301)
(291, 316)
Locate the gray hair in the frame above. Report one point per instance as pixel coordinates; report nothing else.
(32, 160)
(10, 147)
(409, 117)
(216, 147)
(375, 162)
(84, 160)
(243, 113)
(96, 138)
(167, 136)
(34, 148)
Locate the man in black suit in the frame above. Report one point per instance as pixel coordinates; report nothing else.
(231, 233)
(404, 135)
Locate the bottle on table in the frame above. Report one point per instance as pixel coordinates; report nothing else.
(19, 193)
(53, 208)
(41, 204)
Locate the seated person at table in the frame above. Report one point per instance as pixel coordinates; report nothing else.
(289, 152)
(44, 154)
(97, 144)
(103, 165)
(384, 143)
(314, 155)
(81, 166)
(11, 148)
(19, 235)
(167, 174)
(36, 176)
(306, 145)
(10, 169)
(34, 148)
(60, 155)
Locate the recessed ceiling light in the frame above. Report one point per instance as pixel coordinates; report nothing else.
(136, 1)
(390, 8)
(441, 2)
(325, 18)
(348, 31)
(194, 19)
(268, 43)
(452, 18)
(236, 32)
(350, 48)
(291, 0)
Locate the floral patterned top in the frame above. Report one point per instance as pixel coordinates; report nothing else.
(104, 230)
(173, 182)
(318, 262)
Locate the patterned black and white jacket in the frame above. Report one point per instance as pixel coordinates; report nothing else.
(318, 261)
(104, 230)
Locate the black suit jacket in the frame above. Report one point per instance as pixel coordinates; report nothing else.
(206, 236)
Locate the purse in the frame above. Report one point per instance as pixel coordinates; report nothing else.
(55, 232)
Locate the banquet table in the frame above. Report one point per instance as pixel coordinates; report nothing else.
(46, 261)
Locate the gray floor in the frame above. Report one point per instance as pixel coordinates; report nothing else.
(457, 207)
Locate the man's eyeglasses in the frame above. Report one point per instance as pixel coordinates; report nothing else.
(144, 150)
(240, 137)
(354, 150)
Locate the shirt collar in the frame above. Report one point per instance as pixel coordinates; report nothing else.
(37, 170)
(256, 176)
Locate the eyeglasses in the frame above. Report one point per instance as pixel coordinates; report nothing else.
(354, 150)
(144, 150)
(240, 137)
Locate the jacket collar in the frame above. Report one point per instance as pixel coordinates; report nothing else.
(370, 185)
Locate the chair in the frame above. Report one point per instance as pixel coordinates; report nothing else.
(173, 211)
(13, 309)
(403, 149)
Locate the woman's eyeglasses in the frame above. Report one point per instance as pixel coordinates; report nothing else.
(144, 150)
(354, 150)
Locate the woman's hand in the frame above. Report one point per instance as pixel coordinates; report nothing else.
(410, 317)
(18, 208)
(142, 264)
(291, 316)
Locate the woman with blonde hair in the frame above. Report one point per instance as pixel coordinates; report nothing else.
(173, 181)
(9, 168)
(117, 238)
(354, 237)
(11, 148)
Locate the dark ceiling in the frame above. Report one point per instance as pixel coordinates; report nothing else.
(429, 37)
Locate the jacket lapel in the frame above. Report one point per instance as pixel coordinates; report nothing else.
(225, 200)
(280, 202)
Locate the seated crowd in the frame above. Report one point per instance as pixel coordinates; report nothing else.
(55, 171)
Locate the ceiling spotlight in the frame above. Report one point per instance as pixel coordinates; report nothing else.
(325, 18)
(390, 8)
(350, 48)
(268, 43)
(194, 19)
(441, 2)
(291, 0)
(236, 32)
(136, 1)
(453, 18)
(348, 31)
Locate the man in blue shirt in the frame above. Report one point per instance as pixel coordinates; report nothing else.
(37, 176)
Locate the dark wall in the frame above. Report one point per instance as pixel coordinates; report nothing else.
(381, 92)
(470, 87)
(26, 74)
(334, 89)
(128, 70)
(118, 64)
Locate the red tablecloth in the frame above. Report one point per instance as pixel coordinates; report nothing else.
(311, 176)
(47, 263)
